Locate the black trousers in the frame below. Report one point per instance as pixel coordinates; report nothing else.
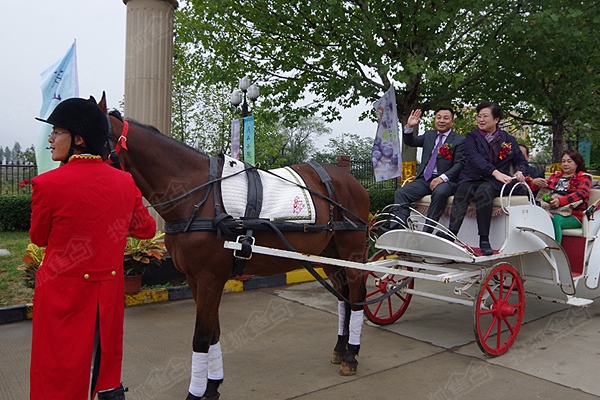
(418, 189)
(480, 192)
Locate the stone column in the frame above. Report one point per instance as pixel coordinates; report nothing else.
(148, 64)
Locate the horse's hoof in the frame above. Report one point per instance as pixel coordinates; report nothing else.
(348, 369)
(337, 357)
(192, 397)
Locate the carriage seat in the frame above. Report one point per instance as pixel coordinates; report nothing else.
(423, 204)
(589, 227)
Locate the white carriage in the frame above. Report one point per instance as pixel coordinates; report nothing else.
(493, 285)
(523, 235)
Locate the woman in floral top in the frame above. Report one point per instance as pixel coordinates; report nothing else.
(571, 185)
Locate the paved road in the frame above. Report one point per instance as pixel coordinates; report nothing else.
(277, 343)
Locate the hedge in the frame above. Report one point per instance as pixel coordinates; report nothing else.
(380, 198)
(15, 213)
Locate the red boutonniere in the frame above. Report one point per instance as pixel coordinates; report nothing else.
(574, 182)
(445, 151)
(505, 150)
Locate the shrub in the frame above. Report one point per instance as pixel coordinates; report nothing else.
(15, 213)
(380, 198)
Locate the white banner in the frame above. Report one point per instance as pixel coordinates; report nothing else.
(59, 82)
(235, 139)
(386, 153)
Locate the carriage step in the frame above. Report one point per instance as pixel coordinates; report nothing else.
(578, 301)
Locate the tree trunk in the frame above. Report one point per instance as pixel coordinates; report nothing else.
(558, 142)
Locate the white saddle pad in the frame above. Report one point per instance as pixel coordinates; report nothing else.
(282, 199)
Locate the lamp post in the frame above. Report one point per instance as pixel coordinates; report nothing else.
(246, 90)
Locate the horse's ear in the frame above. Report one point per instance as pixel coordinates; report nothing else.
(102, 103)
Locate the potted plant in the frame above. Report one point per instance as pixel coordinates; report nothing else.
(140, 254)
(33, 259)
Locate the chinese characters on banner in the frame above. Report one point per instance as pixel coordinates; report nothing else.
(249, 140)
(59, 82)
(386, 152)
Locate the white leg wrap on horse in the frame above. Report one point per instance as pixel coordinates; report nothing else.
(215, 362)
(199, 374)
(342, 318)
(356, 323)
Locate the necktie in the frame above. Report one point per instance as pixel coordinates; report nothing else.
(432, 159)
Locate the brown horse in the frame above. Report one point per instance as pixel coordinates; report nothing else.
(173, 178)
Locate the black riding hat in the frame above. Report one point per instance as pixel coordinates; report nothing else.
(84, 118)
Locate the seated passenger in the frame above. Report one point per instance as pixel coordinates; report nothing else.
(490, 152)
(441, 162)
(566, 193)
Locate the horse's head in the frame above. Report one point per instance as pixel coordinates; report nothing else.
(115, 139)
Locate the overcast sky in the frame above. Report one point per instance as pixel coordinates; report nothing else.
(36, 33)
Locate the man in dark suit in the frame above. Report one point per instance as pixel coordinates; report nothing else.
(441, 163)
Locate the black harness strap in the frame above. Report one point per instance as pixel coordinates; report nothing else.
(255, 192)
(230, 226)
(331, 193)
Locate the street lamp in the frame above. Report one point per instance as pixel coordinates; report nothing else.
(246, 89)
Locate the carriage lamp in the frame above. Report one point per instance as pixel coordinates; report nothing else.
(247, 90)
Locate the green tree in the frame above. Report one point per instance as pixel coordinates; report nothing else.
(347, 144)
(8, 156)
(345, 51)
(296, 140)
(548, 61)
(17, 154)
(29, 155)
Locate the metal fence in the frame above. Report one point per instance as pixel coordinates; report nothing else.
(363, 171)
(15, 179)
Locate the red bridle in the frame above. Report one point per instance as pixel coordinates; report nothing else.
(121, 144)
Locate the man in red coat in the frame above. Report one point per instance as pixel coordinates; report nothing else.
(83, 212)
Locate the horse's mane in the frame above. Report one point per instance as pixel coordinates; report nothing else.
(153, 130)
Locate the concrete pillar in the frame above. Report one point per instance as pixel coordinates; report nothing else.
(148, 62)
(148, 65)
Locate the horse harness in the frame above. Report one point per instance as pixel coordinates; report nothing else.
(225, 224)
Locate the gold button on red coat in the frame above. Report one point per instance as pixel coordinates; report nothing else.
(86, 276)
(113, 273)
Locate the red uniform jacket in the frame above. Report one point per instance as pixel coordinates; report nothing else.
(82, 212)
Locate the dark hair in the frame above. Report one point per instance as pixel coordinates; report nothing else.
(496, 110)
(445, 108)
(526, 149)
(577, 157)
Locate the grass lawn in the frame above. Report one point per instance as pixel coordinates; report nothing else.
(12, 289)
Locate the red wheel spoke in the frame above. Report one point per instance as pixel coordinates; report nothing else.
(489, 330)
(390, 309)
(510, 289)
(510, 328)
(374, 292)
(377, 308)
(491, 292)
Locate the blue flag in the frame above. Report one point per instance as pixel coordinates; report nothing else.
(249, 140)
(59, 82)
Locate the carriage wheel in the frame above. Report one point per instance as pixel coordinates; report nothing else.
(386, 311)
(499, 310)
